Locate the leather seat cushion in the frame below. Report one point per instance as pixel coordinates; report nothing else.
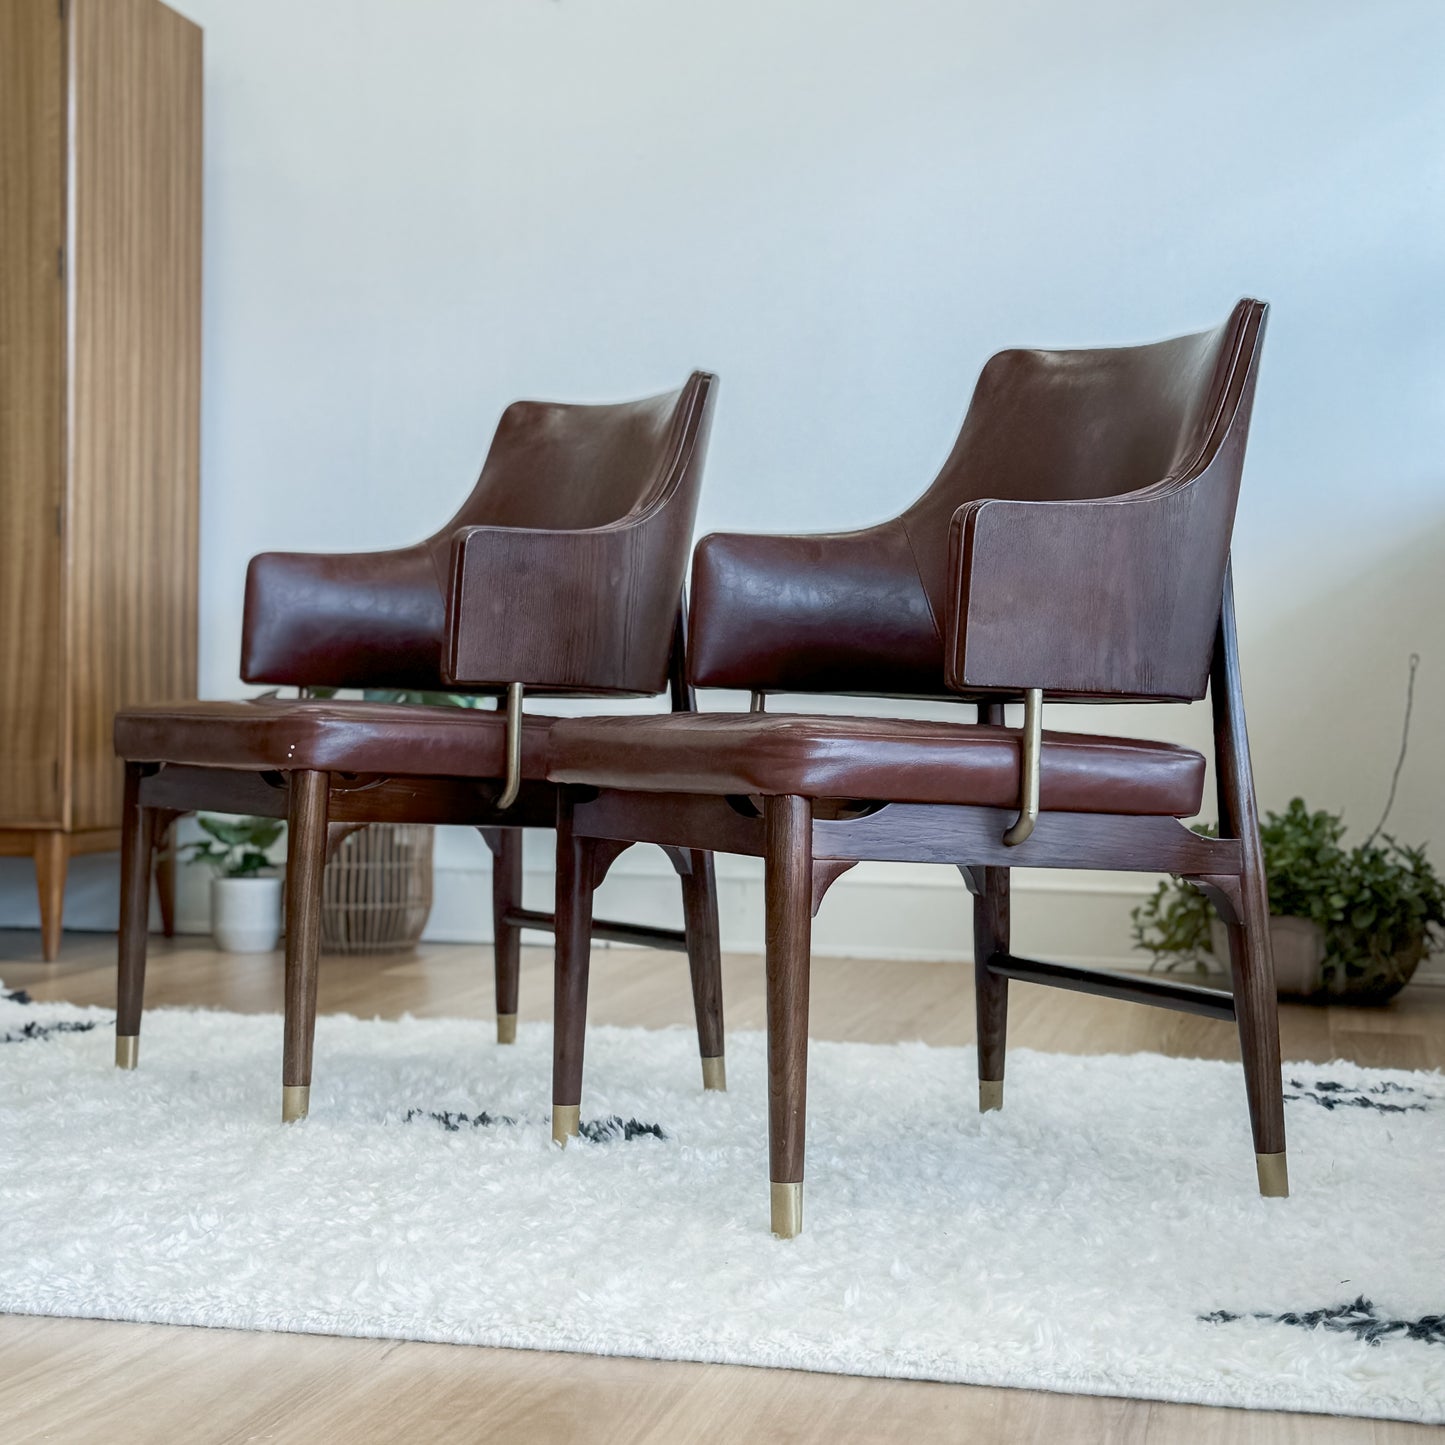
(333, 736)
(871, 758)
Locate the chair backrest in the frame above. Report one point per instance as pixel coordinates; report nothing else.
(877, 606)
(583, 594)
(1072, 425)
(380, 619)
(553, 466)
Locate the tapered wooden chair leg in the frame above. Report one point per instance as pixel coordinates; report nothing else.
(506, 846)
(990, 937)
(163, 843)
(788, 861)
(704, 960)
(1256, 1005)
(305, 860)
(1251, 957)
(136, 836)
(574, 948)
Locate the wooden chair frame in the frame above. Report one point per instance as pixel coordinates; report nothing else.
(578, 593)
(321, 808)
(807, 844)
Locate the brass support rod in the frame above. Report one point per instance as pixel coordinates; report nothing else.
(1029, 767)
(513, 784)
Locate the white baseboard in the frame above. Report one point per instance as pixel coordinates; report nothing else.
(882, 911)
(875, 911)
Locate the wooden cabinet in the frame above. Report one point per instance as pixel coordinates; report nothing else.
(100, 304)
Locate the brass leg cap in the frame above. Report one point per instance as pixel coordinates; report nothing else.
(1273, 1175)
(127, 1050)
(566, 1122)
(990, 1095)
(295, 1102)
(787, 1210)
(715, 1074)
(506, 1028)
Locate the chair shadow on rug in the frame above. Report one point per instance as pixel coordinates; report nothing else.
(1075, 547)
(562, 573)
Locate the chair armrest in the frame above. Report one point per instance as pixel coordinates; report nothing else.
(586, 611)
(1107, 597)
(835, 612)
(351, 619)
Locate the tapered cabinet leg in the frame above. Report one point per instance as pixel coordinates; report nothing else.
(52, 859)
(575, 883)
(305, 860)
(1256, 1007)
(506, 846)
(990, 937)
(137, 834)
(788, 863)
(704, 960)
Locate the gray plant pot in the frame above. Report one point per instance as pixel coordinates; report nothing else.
(1299, 956)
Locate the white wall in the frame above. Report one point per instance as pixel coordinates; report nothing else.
(420, 209)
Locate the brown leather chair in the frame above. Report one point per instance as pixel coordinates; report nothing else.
(1075, 546)
(562, 574)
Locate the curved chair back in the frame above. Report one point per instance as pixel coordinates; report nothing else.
(590, 602)
(1112, 584)
(1054, 426)
(391, 619)
(554, 466)
(877, 611)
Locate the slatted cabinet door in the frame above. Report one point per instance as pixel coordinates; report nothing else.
(100, 267)
(134, 458)
(32, 413)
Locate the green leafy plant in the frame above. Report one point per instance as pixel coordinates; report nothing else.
(1173, 923)
(1380, 904)
(236, 847)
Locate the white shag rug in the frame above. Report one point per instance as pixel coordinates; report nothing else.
(1101, 1235)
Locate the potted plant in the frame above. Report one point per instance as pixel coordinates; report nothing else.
(1346, 923)
(246, 891)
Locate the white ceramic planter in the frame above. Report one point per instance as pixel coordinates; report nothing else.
(246, 913)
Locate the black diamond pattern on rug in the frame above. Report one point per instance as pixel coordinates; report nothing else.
(1360, 1319)
(612, 1129)
(34, 1031)
(1385, 1098)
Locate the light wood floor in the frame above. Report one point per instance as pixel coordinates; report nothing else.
(82, 1381)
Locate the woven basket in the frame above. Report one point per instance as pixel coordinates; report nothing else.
(376, 891)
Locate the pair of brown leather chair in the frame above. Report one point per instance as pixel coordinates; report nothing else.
(562, 575)
(1075, 547)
